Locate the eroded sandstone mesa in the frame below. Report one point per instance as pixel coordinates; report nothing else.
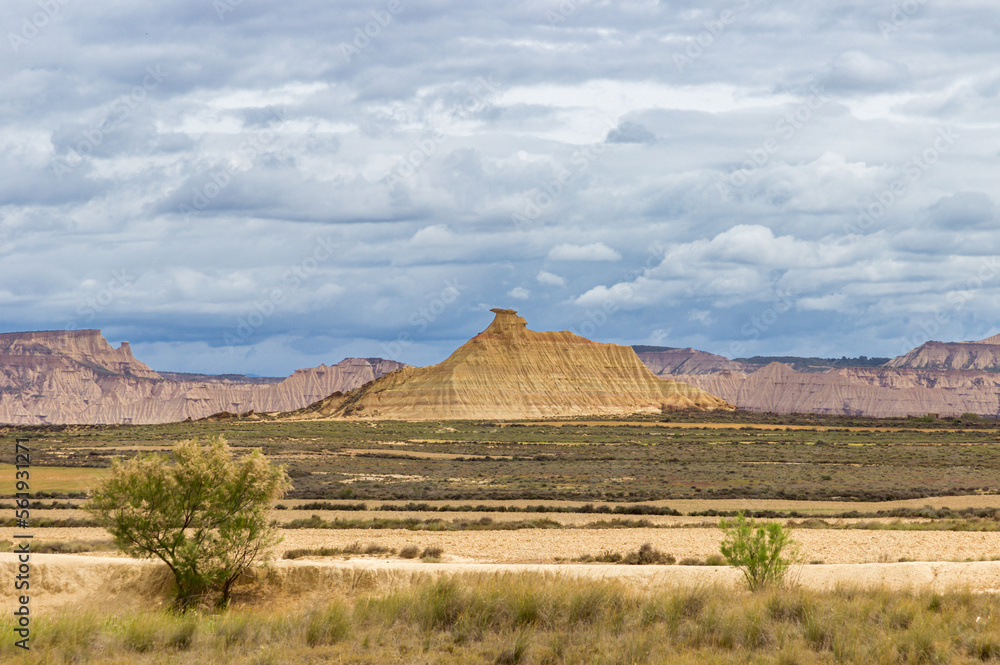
(981, 355)
(946, 378)
(665, 361)
(508, 371)
(24, 356)
(75, 376)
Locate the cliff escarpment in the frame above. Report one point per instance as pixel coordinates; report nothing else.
(944, 378)
(76, 377)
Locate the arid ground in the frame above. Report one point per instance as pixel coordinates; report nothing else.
(902, 504)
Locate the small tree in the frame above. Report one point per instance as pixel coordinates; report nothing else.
(205, 515)
(762, 552)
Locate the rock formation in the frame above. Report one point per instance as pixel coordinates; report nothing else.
(508, 371)
(981, 355)
(665, 360)
(948, 379)
(879, 392)
(59, 377)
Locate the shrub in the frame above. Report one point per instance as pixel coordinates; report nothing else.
(647, 555)
(409, 552)
(762, 552)
(431, 553)
(205, 515)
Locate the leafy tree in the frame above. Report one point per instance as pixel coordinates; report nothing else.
(762, 552)
(205, 514)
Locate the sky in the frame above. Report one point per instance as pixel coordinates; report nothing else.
(250, 186)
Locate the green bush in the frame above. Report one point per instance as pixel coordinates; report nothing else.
(205, 515)
(763, 552)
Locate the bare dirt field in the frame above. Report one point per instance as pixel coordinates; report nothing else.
(545, 545)
(60, 579)
(531, 546)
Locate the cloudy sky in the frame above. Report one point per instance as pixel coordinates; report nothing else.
(252, 186)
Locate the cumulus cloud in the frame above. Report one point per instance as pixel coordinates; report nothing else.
(549, 279)
(963, 210)
(596, 251)
(630, 132)
(167, 171)
(856, 71)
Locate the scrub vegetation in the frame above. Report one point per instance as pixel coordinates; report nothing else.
(530, 619)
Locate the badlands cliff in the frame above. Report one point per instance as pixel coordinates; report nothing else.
(981, 355)
(665, 361)
(947, 379)
(508, 371)
(60, 377)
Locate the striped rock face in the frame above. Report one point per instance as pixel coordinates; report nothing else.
(509, 371)
(75, 376)
(944, 378)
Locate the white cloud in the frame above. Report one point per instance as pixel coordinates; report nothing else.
(603, 296)
(550, 279)
(372, 194)
(702, 316)
(596, 251)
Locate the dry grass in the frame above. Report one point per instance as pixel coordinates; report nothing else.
(65, 547)
(532, 619)
(53, 479)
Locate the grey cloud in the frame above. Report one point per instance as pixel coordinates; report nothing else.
(630, 132)
(855, 72)
(963, 210)
(570, 130)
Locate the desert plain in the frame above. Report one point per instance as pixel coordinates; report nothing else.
(896, 505)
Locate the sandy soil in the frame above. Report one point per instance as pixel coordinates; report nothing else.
(97, 582)
(545, 545)
(548, 545)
